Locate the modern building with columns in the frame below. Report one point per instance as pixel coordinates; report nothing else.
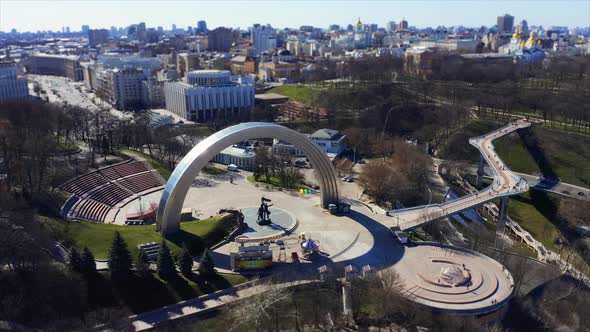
(206, 95)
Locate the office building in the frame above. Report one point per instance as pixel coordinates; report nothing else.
(12, 85)
(282, 66)
(403, 25)
(97, 36)
(122, 88)
(210, 95)
(505, 23)
(186, 62)
(201, 27)
(220, 39)
(391, 26)
(85, 29)
(56, 65)
(141, 32)
(264, 38)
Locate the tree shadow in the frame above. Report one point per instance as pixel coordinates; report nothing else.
(193, 242)
(531, 143)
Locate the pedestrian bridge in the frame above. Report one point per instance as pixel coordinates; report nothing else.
(506, 183)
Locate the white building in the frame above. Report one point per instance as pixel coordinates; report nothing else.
(330, 140)
(264, 37)
(11, 85)
(241, 157)
(207, 95)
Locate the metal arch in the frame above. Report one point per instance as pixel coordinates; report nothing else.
(189, 167)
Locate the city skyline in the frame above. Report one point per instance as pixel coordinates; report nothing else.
(37, 15)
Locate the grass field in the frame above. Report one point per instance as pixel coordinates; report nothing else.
(274, 182)
(301, 94)
(564, 153)
(156, 164)
(196, 234)
(533, 211)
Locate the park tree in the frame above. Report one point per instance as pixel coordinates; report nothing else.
(206, 265)
(142, 264)
(165, 262)
(75, 261)
(119, 258)
(185, 261)
(262, 164)
(88, 265)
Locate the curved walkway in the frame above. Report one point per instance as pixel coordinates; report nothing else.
(506, 183)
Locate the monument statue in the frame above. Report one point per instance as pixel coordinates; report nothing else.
(264, 212)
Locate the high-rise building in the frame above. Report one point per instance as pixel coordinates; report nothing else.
(141, 31)
(97, 36)
(85, 29)
(403, 25)
(11, 85)
(201, 27)
(210, 95)
(505, 23)
(220, 39)
(264, 37)
(391, 26)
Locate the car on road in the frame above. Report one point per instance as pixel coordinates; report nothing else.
(347, 179)
(362, 161)
(581, 194)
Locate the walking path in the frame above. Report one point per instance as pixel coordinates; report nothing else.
(506, 183)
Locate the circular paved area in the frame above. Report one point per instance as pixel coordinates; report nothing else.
(454, 279)
(282, 222)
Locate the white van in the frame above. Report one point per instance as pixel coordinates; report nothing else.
(232, 168)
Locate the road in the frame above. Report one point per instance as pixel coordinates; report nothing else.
(63, 90)
(506, 183)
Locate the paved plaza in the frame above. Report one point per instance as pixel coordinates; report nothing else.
(443, 278)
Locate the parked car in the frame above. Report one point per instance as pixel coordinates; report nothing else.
(362, 161)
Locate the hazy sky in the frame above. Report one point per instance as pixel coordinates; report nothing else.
(52, 15)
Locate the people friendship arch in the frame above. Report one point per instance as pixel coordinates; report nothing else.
(189, 167)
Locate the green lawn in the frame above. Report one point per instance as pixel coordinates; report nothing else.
(514, 153)
(274, 182)
(457, 147)
(156, 164)
(212, 170)
(301, 94)
(567, 154)
(533, 211)
(196, 234)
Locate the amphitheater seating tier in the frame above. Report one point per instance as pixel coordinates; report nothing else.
(92, 210)
(99, 191)
(123, 170)
(85, 183)
(141, 182)
(110, 194)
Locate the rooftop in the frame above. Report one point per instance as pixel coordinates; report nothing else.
(326, 133)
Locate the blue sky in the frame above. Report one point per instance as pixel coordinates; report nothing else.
(46, 14)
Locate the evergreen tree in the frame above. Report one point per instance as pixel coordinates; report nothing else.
(165, 261)
(88, 264)
(119, 258)
(185, 261)
(206, 265)
(143, 264)
(75, 262)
